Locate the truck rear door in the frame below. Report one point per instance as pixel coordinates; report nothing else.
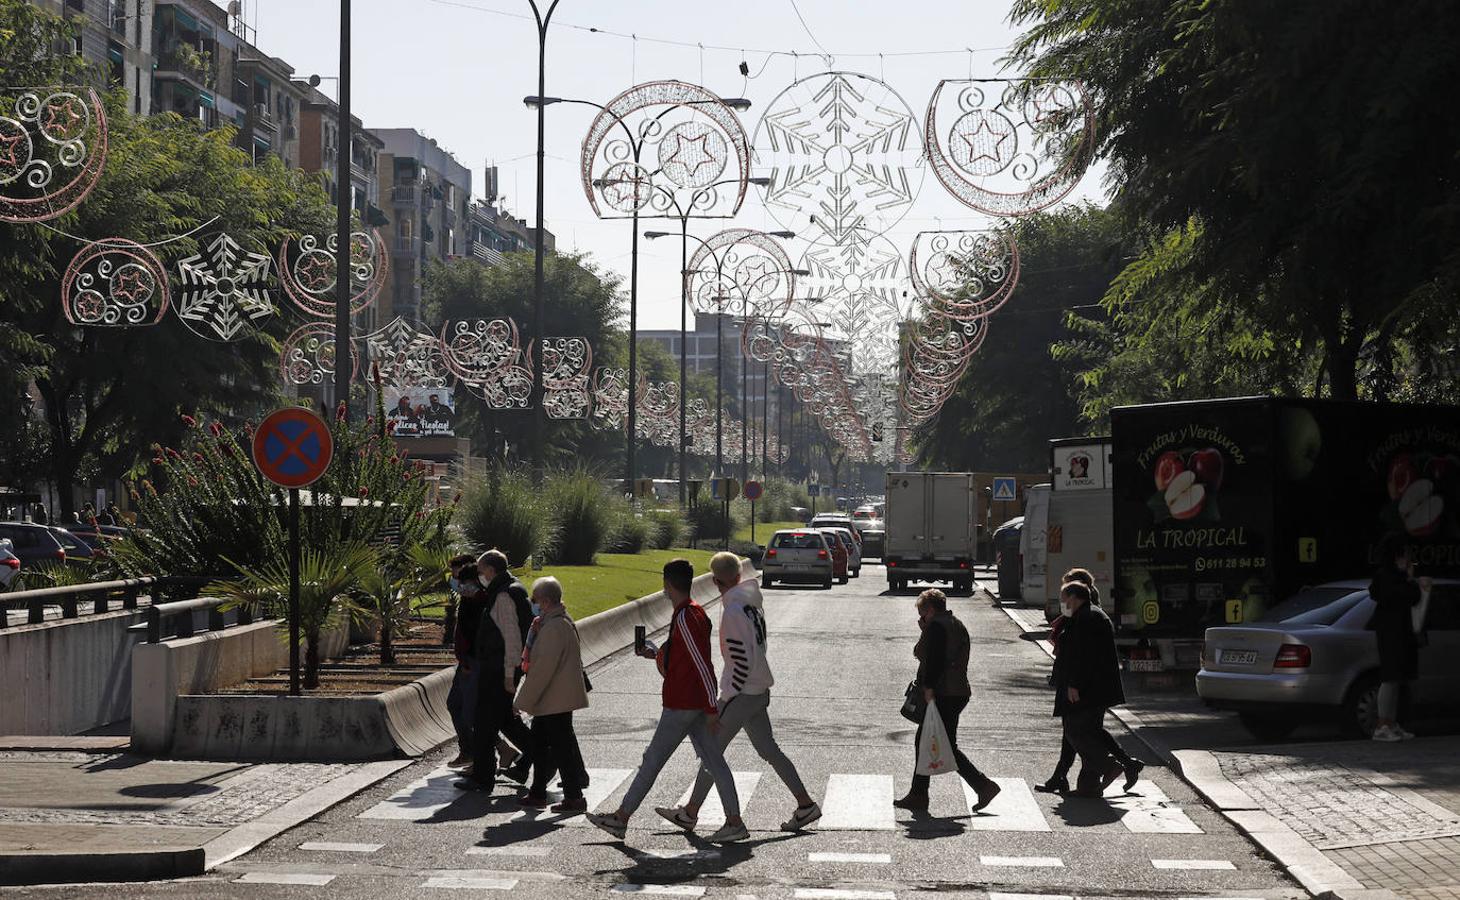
(949, 504)
(907, 515)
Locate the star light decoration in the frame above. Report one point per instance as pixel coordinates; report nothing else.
(307, 270)
(53, 147)
(114, 283)
(486, 355)
(225, 289)
(1013, 148)
(698, 143)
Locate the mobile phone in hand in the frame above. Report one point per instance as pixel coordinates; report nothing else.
(640, 635)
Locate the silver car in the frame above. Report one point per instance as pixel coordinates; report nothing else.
(797, 554)
(1314, 656)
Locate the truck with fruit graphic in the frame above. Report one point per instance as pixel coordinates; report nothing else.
(1225, 507)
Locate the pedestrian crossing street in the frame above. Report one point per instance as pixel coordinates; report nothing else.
(849, 802)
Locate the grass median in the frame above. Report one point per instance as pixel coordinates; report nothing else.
(616, 579)
(764, 530)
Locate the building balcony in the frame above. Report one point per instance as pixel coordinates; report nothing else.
(262, 120)
(487, 255)
(406, 246)
(403, 195)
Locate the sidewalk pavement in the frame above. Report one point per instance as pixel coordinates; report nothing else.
(83, 809)
(1349, 819)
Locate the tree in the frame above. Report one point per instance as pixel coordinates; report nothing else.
(1015, 396)
(1310, 142)
(109, 391)
(580, 302)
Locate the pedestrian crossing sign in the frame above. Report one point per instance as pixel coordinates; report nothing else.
(1004, 489)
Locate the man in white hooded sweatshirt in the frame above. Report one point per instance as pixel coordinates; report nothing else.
(745, 695)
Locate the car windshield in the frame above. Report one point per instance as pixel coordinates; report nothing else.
(797, 540)
(864, 514)
(1314, 606)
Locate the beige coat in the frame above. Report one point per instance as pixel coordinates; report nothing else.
(554, 680)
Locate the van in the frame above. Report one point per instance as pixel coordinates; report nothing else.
(1080, 524)
(1032, 544)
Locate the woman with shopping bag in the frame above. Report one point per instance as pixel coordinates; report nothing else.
(1397, 593)
(942, 652)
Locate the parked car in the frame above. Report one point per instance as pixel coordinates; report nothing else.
(1006, 557)
(854, 550)
(840, 557)
(99, 536)
(874, 540)
(797, 555)
(800, 514)
(75, 547)
(32, 543)
(9, 568)
(1315, 656)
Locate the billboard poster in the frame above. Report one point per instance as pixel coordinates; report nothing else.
(420, 411)
(1080, 467)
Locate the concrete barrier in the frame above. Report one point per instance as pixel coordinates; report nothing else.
(603, 634)
(163, 672)
(67, 676)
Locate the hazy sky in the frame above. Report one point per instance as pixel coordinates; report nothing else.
(457, 70)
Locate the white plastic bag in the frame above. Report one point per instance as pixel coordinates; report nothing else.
(1420, 611)
(935, 753)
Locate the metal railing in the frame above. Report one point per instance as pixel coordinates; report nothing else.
(179, 614)
(101, 597)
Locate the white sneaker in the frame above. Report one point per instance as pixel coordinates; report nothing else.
(676, 816)
(729, 833)
(1404, 734)
(803, 816)
(1387, 734)
(609, 823)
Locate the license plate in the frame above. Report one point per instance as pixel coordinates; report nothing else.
(1237, 657)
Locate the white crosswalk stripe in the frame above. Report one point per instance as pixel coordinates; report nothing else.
(335, 847)
(295, 878)
(842, 894)
(601, 785)
(1147, 810)
(1014, 809)
(419, 800)
(1209, 865)
(1031, 862)
(859, 858)
(857, 803)
(671, 890)
(470, 882)
(712, 814)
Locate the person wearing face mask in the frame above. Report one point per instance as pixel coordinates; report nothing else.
(463, 694)
(1087, 683)
(1059, 782)
(501, 627)
(552, 689)
(942, 652)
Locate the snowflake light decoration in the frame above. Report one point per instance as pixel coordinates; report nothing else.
(224, 290)
(843, 154)
(1012, 148)
(863, 286)
(407, 358)
(307, 270)
(114, 283)
(53, 147)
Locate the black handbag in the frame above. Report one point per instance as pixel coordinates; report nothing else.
(914, 707)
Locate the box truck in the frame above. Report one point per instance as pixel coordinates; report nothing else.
(1080, 524)
(1223, 508)
(930, 533)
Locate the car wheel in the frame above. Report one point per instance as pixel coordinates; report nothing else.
(766, 581)
(1268, 726)
(1361, 708)
(844, 579)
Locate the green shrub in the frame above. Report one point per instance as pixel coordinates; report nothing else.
(706, 523)
(583, 517)
(670, 528)
(504, 511)
(634, 534)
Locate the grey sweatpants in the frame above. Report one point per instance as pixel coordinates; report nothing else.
(750, 712)
(674, 726)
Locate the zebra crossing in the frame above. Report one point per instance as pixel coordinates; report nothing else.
(850, 802)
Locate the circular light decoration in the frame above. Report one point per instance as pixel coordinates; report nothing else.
(486, 355)
(307, 270)
(566, 364)
(740, 271)
(225, 289)
(53, 146)
(1011, 148)
(610, 397)
(114, 283)
(308, 356)
(843, 154)
(665, 149)
(862, 284)
(968, 273)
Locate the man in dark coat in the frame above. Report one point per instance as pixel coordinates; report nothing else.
(942, 652)
(1396, 592)
(497, 652)
(1087, 683)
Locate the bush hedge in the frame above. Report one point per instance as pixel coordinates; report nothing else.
(584, 516)
(504, 511)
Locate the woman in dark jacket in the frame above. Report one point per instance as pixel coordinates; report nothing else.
(1396, 592)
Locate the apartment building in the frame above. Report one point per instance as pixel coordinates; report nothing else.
(115, 37)
(427, 194)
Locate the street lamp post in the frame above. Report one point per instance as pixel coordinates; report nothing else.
(343, 192)
(538, 414)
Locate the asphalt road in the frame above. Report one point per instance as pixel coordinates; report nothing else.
(842, 659)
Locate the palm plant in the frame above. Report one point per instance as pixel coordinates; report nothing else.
(326, 579)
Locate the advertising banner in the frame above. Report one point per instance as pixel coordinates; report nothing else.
(420, 411)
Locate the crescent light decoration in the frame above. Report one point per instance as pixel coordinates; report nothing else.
(114, 283)
(964, 274)
(53, 146)
(307, 270)
(1010, 148)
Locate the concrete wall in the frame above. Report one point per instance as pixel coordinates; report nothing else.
(610, 631)
(206, 662)
(68, 676)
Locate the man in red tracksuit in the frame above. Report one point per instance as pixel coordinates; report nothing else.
(689, 710)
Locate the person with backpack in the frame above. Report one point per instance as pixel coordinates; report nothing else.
(506, 617)
(1059, 782)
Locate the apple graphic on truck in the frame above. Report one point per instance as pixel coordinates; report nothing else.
(1187, 482)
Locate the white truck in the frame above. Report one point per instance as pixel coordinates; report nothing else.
(1080, 525)
(930, 529)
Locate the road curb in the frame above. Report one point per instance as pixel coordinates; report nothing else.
(73, 867)
(1315, 873)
